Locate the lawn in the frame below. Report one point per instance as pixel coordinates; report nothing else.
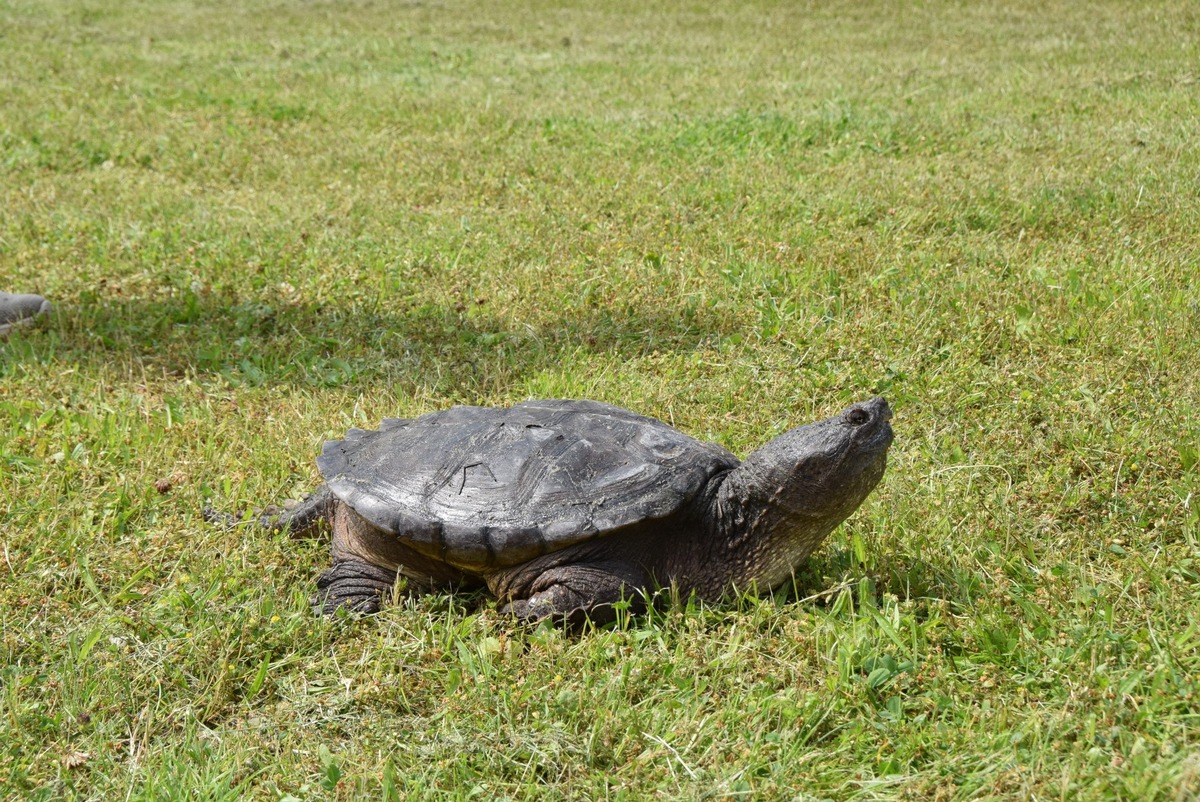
(262, 223)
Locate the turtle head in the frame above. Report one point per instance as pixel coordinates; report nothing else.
(773, 510)
(825, 469)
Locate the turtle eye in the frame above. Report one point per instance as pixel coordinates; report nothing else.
(857, 417)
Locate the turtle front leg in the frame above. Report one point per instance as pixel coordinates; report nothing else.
(574, 594)
(357, 585)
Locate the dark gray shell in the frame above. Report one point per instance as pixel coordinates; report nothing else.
(485, 488)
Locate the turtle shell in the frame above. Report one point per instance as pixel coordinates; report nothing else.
(484, 488)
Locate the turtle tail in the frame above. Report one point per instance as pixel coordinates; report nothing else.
(300, 520)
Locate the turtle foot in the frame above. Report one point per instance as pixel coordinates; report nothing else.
(574, 595)
(531, 612)
(570, 609)
(354, 584)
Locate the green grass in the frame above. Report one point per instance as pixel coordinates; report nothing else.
(263, 223)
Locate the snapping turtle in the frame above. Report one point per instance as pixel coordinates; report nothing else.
(563, 507)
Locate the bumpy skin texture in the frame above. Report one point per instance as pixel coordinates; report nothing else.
(563, 508)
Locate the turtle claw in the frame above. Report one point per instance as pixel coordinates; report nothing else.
(561, 607)
(526, 612)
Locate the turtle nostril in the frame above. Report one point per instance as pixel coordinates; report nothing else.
(858, 417)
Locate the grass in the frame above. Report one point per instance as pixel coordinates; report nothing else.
(263, 223)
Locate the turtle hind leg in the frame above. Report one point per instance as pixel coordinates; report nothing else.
(356, 585)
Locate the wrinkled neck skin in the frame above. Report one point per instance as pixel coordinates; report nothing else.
(748, 540)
